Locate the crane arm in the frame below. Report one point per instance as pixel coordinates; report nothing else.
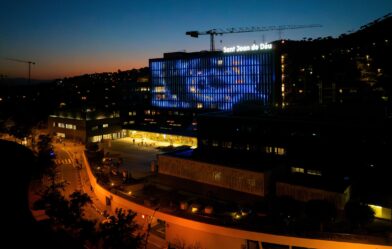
(17, 60)
(249, 29)
(214, 32)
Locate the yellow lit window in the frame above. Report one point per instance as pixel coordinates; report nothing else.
(314, 172)
(297, 170)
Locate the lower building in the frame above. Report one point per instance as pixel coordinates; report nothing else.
(187, 165)
(85, 126)
(304, 187)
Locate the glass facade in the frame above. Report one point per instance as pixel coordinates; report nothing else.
(213, 81)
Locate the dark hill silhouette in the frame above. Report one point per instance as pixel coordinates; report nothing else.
(20, 230)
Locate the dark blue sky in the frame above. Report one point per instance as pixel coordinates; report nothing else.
(69, 37)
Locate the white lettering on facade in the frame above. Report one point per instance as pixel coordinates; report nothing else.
(254, 47)
(228, 50)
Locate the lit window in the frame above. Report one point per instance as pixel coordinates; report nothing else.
(314, 172)
(70, 126)
(199, 105)
(252, 182)
(61, 125)
(297, 170)
(105, 125)
(217, 175)
(61, 134)
(280, 151)
(54, 124)
(226, 145)
(159, 89)
(269, 149)
(107, 136)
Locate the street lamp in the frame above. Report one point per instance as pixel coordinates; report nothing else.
(149, 226)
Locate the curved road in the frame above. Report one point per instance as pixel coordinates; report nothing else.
(68, 156)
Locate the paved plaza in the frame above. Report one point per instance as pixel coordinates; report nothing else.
(137, 154)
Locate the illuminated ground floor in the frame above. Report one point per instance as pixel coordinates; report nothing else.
(161, 139)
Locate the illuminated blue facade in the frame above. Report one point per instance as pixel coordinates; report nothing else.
(213, 80)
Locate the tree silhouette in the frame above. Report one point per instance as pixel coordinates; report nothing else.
(358, 214)
(45, 156)
(321, 212)
(67, 215)
(118, 230)
(286, 209)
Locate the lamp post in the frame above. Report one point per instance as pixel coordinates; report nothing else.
(149, 226)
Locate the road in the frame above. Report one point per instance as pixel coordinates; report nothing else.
(69, 155)
(66, 170)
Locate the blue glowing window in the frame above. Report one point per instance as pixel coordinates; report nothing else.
(215, 82)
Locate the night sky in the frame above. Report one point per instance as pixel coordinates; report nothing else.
(69, 37)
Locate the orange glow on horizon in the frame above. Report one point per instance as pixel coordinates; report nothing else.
(57, 70)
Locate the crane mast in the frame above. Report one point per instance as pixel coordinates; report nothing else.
(213, 32)
(22, 61)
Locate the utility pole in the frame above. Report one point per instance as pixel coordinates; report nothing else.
(22, 61)
(149, 226)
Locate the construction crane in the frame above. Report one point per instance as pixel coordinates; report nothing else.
(214, 32)
(22, 61)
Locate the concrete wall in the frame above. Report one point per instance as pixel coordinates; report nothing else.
(212, 236)
(304, 194)
(226, 177)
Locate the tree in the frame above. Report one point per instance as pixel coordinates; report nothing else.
(118, 230)
(67, 215)
(20, 131)
(54, 204)
(358, 214)
(321, 212)
(286, 209)
(46, 165)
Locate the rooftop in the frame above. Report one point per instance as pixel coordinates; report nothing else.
(234, 161)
